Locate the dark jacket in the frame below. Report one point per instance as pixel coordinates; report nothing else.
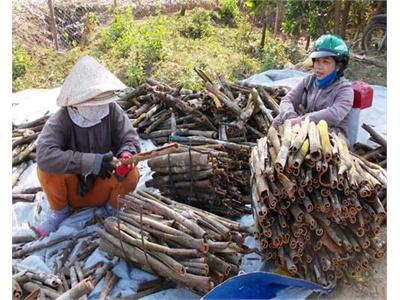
(332, 104)
(63, 147)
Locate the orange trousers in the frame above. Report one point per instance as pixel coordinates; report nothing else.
(61, 189)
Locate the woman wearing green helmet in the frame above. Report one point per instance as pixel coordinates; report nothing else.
(325, 94)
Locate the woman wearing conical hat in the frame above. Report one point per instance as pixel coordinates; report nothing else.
(79, 141)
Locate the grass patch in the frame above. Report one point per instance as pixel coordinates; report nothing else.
(166, 47)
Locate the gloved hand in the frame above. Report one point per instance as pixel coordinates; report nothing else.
(85, 184)
(122, 170)
(106, 165)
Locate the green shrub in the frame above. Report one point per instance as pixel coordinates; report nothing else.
(190, 80)
(243, 40)
(228, 11)
(135, 72)
(196, 25)
(20, 61)
(276, 54)
(119, 32)
(152, 35)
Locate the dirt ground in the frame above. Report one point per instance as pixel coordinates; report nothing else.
(367, 72)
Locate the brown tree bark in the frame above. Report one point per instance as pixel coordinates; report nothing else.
(338, 5)
(277, 18)
(263, 33)
(345, 16)
(53, 23)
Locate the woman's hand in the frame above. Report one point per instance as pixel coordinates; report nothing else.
(295, 121)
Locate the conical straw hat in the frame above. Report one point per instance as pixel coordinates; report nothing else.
(88, 84)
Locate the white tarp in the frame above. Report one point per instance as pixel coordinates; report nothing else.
(31, 104)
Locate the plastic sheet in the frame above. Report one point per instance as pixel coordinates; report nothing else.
(32, 104)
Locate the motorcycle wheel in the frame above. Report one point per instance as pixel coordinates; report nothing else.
(373, 36)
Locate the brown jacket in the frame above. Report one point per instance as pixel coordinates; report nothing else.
(332, 104)
(63, 147)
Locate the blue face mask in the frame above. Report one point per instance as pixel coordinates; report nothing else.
(326, 81)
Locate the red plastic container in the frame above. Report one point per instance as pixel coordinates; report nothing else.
(363, 94)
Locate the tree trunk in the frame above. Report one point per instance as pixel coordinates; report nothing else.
(308, 42)
(360, 23)
(277, 18)
(264, 31)
(345, 16)
(338, 5)
(380, 7)
(53, 23)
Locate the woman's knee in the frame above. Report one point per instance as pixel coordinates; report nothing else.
(130, 181)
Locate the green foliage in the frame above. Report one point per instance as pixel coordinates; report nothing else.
(154, 47)
(196, 25)
(150, 39)
(20, 61)
(276, 54)
(255, 5)
(313, 17)
(141, 46)
(122, 23)
(228, 12)
(135, 72)
(245, 40)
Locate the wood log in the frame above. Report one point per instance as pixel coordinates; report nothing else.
(82, 288)
(16, 290)
(139, 257)
(18, 172)
(48, 292)
(27, 249)
(21, 156)
(376, 136)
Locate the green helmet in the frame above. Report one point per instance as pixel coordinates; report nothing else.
(332, 45)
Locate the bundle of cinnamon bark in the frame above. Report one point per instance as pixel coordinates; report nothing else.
(214, 177)
(228, 112)
(184, 244)
(316, 205)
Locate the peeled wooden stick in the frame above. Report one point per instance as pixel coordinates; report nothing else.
(18, 172)
(139, 257)
(108, 285)
(300, 137)
(325, 142)
(315, 144)
(281, 159)
(82, 288)
(165, 210)
(274, 139)
(21, 156)
(127, 235)
(17, 291)
(377, 137)
(167, 149)
(48, 292)
(300, 156)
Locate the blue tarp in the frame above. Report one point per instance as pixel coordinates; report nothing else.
(264, 285)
